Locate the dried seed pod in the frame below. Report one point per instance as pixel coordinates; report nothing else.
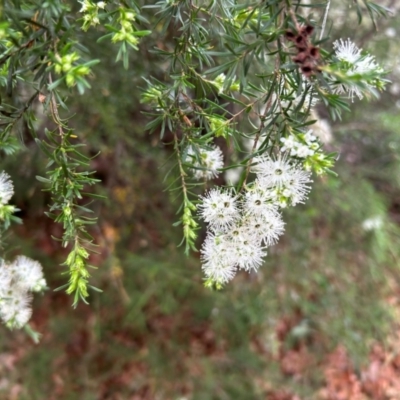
(307, 69)
(300, 41)
(290, 35)
(301, 57)
(307, 30)
(314, 52)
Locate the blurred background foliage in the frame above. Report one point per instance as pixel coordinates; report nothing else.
(307, 326)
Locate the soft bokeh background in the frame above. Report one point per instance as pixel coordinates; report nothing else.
(319, 321)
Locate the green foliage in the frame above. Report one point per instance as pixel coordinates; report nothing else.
(222, 72)
(329, 274)
(38, 41)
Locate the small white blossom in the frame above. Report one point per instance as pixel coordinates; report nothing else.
(367, 64)
(309, 137)
(17, 280)
(219, 209)
(249, 255)
(304, 151)
(268, 227)
(223, 254)
(346, 50)
(207, 162)
(218, 259)
(272, 172)
(289, 145)
(284, 178)
(29, 273)
(5, 279)
(361, 64)
(349, 89)
(101, 4)
(238, 234)
(258, 202)
(15, 308)
(296, 188)
(6, 188)
(298, 149)
(220, 272)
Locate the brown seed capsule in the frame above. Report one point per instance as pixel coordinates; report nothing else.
(301, 57)
(314, 52)
(307, 30)
(302, 49)
(307, 70)
(300, 41)
(289, 35)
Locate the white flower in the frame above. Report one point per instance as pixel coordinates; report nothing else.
(101, 4)
(29, 274)
(366, 65)
(220, 272)
(309, 137)
(207, 162)
(346, 50)
(350, 89)
(249, 255)
(6, 188)
(268, 227)
(15, 308)
(296, 188)
(5, 279)
(218, 259)
(290, 144)
(17, 280)
(238, 234)
(258, 202)
(272, 172)
(223, 254)
(304, 151)
(219, 209)
(298, 149)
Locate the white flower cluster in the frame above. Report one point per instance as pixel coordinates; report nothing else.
(20, 278)
(206, 162)
(358, 64)
(241, 227)
(6, 188)
(17, 281)
(303, 147)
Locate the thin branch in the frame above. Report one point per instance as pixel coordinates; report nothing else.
(325, 19)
